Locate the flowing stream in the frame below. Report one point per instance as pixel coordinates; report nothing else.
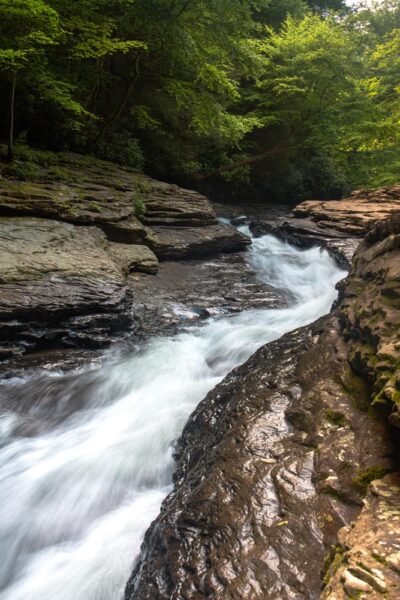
(79, 490)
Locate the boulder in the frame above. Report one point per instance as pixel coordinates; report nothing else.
(58, 287)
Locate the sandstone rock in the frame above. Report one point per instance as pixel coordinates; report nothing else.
(101, 193)
(371, 314)
(58, 287)
(354, 215)
(335, 224)
(371, 562)
(131, 257)
(127, 205)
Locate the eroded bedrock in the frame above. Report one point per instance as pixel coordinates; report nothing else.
(278, 491)
(126, 204)
(335, 224)
(366, 563)
(70, 240)
(269, 467)
(371, 315)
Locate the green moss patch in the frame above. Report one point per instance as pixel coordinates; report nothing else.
(335, 418)
(365, 477)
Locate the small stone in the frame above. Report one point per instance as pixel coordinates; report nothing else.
(353, 584)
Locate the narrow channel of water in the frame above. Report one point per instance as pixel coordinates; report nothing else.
(77, 497)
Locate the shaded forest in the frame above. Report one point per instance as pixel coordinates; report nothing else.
(283, 98)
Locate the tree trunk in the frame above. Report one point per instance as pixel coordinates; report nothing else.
(10, 154)
(117, 113)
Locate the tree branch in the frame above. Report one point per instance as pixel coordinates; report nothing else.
(246, 161)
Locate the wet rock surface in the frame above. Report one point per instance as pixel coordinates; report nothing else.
(266, 475)
(185, 292)
(195, 242)
(304, 234)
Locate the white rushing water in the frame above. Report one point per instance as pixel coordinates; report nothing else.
(77, 498)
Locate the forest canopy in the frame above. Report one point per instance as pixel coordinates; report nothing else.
(285, 97)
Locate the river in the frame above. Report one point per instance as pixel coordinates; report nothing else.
(84, 469)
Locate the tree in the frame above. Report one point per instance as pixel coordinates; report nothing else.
(300, 91)
(372, 140)
(26, 28)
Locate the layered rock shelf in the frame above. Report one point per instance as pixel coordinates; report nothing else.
(58, 286)
(337, 225)
(68, 247)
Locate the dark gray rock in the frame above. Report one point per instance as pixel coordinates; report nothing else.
(195, 242)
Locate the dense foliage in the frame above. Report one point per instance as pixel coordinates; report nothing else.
(291, 97)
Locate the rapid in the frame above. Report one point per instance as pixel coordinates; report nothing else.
(85, 467)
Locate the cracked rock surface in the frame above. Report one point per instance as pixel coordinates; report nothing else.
(368, 564)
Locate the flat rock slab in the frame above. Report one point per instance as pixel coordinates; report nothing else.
(134, 258)
(58, 286)
(192, 242)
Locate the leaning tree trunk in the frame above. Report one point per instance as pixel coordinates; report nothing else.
(10, 154)
(118, 112)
